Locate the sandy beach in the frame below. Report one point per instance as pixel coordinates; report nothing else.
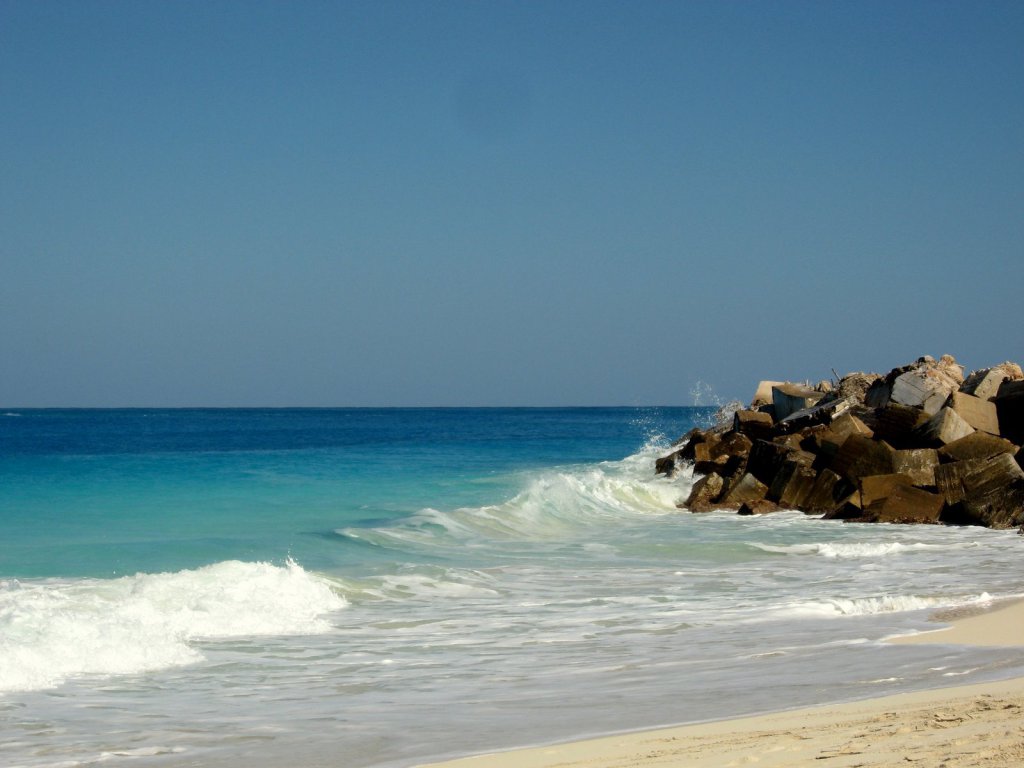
(977, 725)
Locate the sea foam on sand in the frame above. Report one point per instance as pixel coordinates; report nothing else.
(964, 727)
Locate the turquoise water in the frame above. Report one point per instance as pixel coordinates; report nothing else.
(268, 587)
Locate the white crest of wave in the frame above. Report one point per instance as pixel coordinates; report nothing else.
(858, 549)
(866, 606)
(553, 503)
(52, 631)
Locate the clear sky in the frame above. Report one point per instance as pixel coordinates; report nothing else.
(501, 203)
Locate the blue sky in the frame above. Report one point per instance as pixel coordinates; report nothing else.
(498, 203)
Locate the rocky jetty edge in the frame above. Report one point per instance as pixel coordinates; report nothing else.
(920, 444)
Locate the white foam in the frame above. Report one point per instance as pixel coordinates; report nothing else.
(553, 503)
(859, 549)
(866, 606)
(51, 631)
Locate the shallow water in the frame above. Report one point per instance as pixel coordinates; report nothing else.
(382, 587)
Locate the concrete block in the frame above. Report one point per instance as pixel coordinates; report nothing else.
(977, 445)
(789, 398)
(763, 396)
(754, 424)
(766, 459)
(994, 493)
(949, 479)
(1002, 508)
(875, 487)
(918, 464)
(980, 414)
(944, 427)
(907, 504)
(920, 386)
(860, 456)
(849, 513)
(1010, 409)
(668, 465)
(747, 488)
(792, 484)
(704, 492)
(849, 424)
(896, 424)
(985, 383)
(819, 413)
(828, 493)
(759, 507)
(992, 475)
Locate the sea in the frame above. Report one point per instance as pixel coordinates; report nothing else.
(380, 588)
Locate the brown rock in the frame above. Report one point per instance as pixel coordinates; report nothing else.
(985, 383)
(949, 479)
(918, 464)
(876, 487)
(747, 488)
(994, 493)
(944, 427)
(896, 424)
(856, 385)
(754, 424)
(860, 456)
(828, 493)
(977, 445)
(789, 398)
(800, 479)
(906, 504)
(759, 507)
(980, 414)
(1010, 409)
(704, 492)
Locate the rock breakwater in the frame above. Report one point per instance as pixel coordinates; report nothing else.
(920, 444)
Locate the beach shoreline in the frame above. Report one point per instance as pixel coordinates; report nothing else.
(973, 726)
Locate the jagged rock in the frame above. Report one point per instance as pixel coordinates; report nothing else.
(667, 465)
(856, 385)
(705, 491)
(1010, 408)
(688, 437)
(985, 383)
(860, 456)
(754, 424)
(789, 398)
(907, 504)
(918, 464)
(980, 414)
(977, 445)
(759, 507)
(747, 488)
(944, 427)
(831, 455)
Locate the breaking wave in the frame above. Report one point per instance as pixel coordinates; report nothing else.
(850, 550)
(554, 503)
(53, 631)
